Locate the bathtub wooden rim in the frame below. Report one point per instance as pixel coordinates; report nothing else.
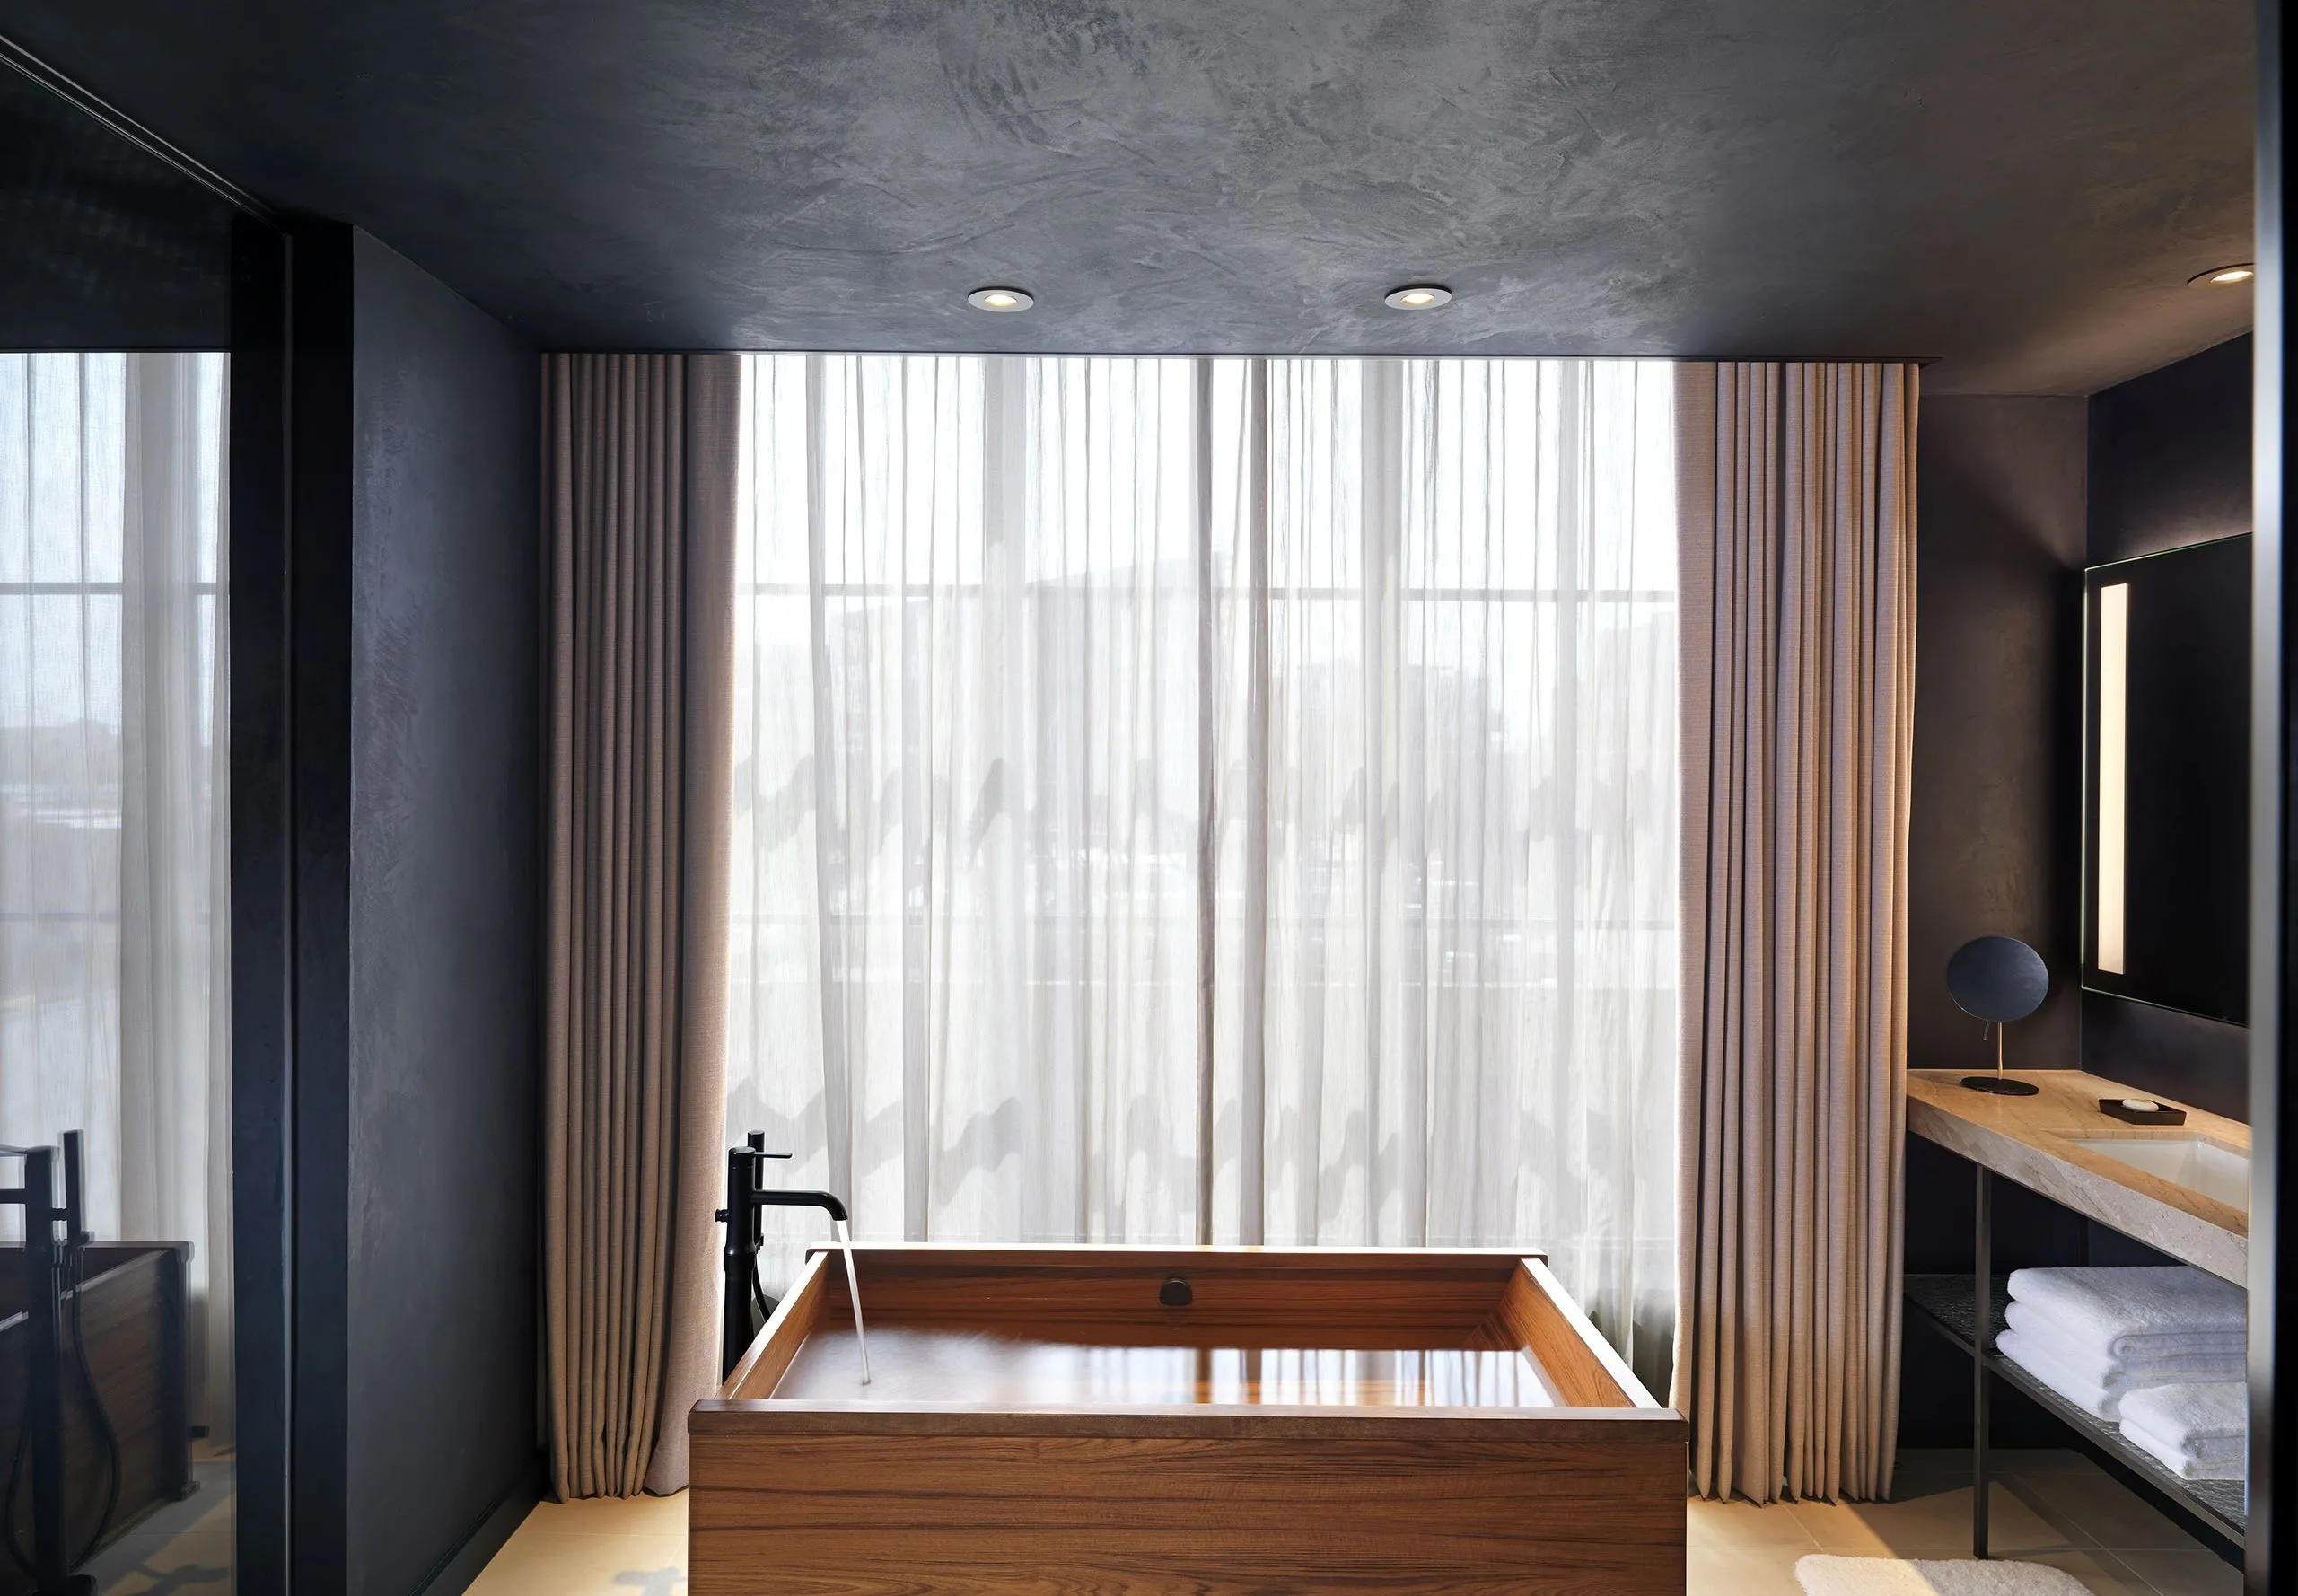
(778, 1343)
(1607, 1427)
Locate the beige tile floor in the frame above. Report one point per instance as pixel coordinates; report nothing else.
(2050, 1507)
(2054, 1507)
(631, 1546)
(184, 1550)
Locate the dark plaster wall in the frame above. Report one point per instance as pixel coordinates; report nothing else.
(2170, 456)
(2016, 497)
(446, 709)
(1998, 770)
(1998, 670)
(2169, 466)
(2200, 1061)
(417, 617)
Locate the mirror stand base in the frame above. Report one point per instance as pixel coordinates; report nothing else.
(2001, 1086)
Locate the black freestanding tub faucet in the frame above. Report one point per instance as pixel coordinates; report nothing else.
(747, 1306)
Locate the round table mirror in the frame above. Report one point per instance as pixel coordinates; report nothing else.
(1997, 979)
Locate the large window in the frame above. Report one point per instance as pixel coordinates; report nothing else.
(1216, 800)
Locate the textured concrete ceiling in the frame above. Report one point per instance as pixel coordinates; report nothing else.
(2017, 187)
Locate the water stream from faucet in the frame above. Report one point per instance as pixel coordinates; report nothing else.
(843, 1234)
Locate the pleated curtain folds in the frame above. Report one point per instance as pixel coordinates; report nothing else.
(639, 484)
(1797, 548)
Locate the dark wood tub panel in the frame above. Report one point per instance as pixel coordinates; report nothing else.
(879, 1514)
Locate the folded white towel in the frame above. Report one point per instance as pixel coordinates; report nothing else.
(2088, 1395)
(2185, 1415)
(2084, 1336)
(2197, 1431)
(2135, 1312)
(2204, 1454)
(2090, 1384)
(2214, 1356)
(2234, 1465)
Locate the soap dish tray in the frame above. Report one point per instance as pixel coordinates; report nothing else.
(2113, 1106)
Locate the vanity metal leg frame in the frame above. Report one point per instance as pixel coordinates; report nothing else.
(1982, 1314)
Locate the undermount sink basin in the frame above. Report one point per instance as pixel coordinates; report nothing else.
(2191, 1161)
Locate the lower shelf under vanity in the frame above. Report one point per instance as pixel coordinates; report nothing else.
(1942, 1304)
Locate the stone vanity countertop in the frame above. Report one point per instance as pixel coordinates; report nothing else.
(2033, 1140)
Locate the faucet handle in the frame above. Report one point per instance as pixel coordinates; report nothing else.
(756, 1141)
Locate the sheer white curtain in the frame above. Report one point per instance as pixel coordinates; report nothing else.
(114, 984)
(1217, 799)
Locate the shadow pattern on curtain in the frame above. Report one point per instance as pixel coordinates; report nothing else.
(1214, 801)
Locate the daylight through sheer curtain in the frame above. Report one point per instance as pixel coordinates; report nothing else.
(1214, 800)
(114, 985)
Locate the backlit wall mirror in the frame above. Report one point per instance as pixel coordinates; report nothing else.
(2167, 752)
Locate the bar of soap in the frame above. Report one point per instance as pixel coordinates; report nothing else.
(2142, 1105)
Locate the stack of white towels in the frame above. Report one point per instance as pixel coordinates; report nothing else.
(2158, 1350)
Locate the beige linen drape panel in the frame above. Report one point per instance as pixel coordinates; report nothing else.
(639, 485)
(1797, 484)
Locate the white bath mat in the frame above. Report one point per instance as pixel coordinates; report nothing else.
(1822, 1575)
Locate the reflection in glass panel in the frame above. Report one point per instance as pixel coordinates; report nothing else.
(114, 1040)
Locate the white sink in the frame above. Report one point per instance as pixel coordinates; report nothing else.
(2191, 1161)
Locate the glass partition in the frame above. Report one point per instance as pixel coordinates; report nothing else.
(116, 1345)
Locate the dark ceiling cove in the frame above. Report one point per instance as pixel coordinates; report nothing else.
(2019, 189)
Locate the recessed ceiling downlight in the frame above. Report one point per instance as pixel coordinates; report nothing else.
(1417, 296)
(2241, 271)
(1004, 300)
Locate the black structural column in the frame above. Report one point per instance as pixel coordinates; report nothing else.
(407, 660)
(263, 876)
(319, 787)
(2272, 1562)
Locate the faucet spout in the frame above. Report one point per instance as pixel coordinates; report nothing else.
(825, 1201)
(746, 1200)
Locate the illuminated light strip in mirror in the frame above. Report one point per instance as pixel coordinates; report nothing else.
(2114, 769)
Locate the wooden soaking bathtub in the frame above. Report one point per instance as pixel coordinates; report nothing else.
(1211, 1420)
